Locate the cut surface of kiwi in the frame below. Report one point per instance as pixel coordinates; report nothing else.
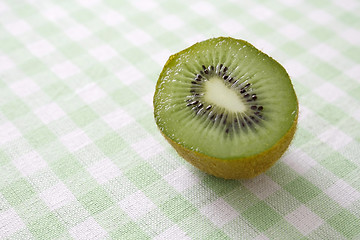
(226, 107)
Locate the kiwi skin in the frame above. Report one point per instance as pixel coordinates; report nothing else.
(241, 168)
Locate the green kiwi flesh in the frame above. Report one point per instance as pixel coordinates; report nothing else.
(225, 99)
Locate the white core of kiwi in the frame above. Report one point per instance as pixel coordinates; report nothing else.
(217, 93)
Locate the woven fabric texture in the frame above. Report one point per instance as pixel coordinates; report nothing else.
(82, 158)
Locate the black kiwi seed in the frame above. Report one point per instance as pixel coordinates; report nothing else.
(225, 69)
(230, 79)
(247, 85)
(192, 103)
(206, 71)
(200, 105)
(260, 108)
(254, 97)
(225, 77)
(212, 68)
(253, 107)
(208, 107)
(221, 65)
(246, 95)
(203, 67)
(193, 82)
(227, 130)
(242, 90)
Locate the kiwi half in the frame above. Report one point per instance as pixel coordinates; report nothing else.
(226, 107)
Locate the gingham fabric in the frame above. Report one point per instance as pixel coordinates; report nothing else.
(82, 158)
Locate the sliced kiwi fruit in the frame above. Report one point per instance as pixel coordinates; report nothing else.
(226, 107)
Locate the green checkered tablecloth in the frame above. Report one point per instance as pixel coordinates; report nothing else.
(82, 158)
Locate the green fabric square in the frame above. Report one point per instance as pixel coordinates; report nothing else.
(66, 166)
(111, 144)
(18, 192)
(142, 175)
(83, 116)
(332, 114)
(130, 230)
(72, 50)
(97, 200)
(217, 235)
(326, 71)
(57, 90)
(40, 137)
(262, 216)
(33, 66)
(14, 109)
(9, 44)
(302, 189)
(124, 96)
(47, 227)
(178, 208)
(338, 164)
(346, 223)
(4, 159)
(220, 186)
(97, 72)
(283, 228)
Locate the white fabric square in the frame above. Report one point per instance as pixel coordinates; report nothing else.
(41, 48)
(261, 12)
(90, 93)
(304, 220)
(329, 92)
(138, 37)
(324, 52)
(29, 163)
(262, 186)
(88, 3)
(24, 87)
(136, 205)
(49, 113)
(161, 57)
(75, 140)
(129, 75)
(292, 31)
(57, 196)
(335, 138)
(104, 170)
(295, 69)
(174, 232)
(181, 179)
(320, 16)
(347, 4)
(202, 8)
(118, 119)
(17, 27)
(103, 53)
(147, 147)
(65, 69)
(10, 223)
(78, 32)
(219, 212)
(343, 193)
(231, 27)
(144, 6)
(8, 132)
(54, 13)
(353, 72)
(112, 18)
(264, 45)
(171, 22)
(298, 160)
(3, 8)
(261, 237)
(351, 35)
(5, 63)
(88, 230)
